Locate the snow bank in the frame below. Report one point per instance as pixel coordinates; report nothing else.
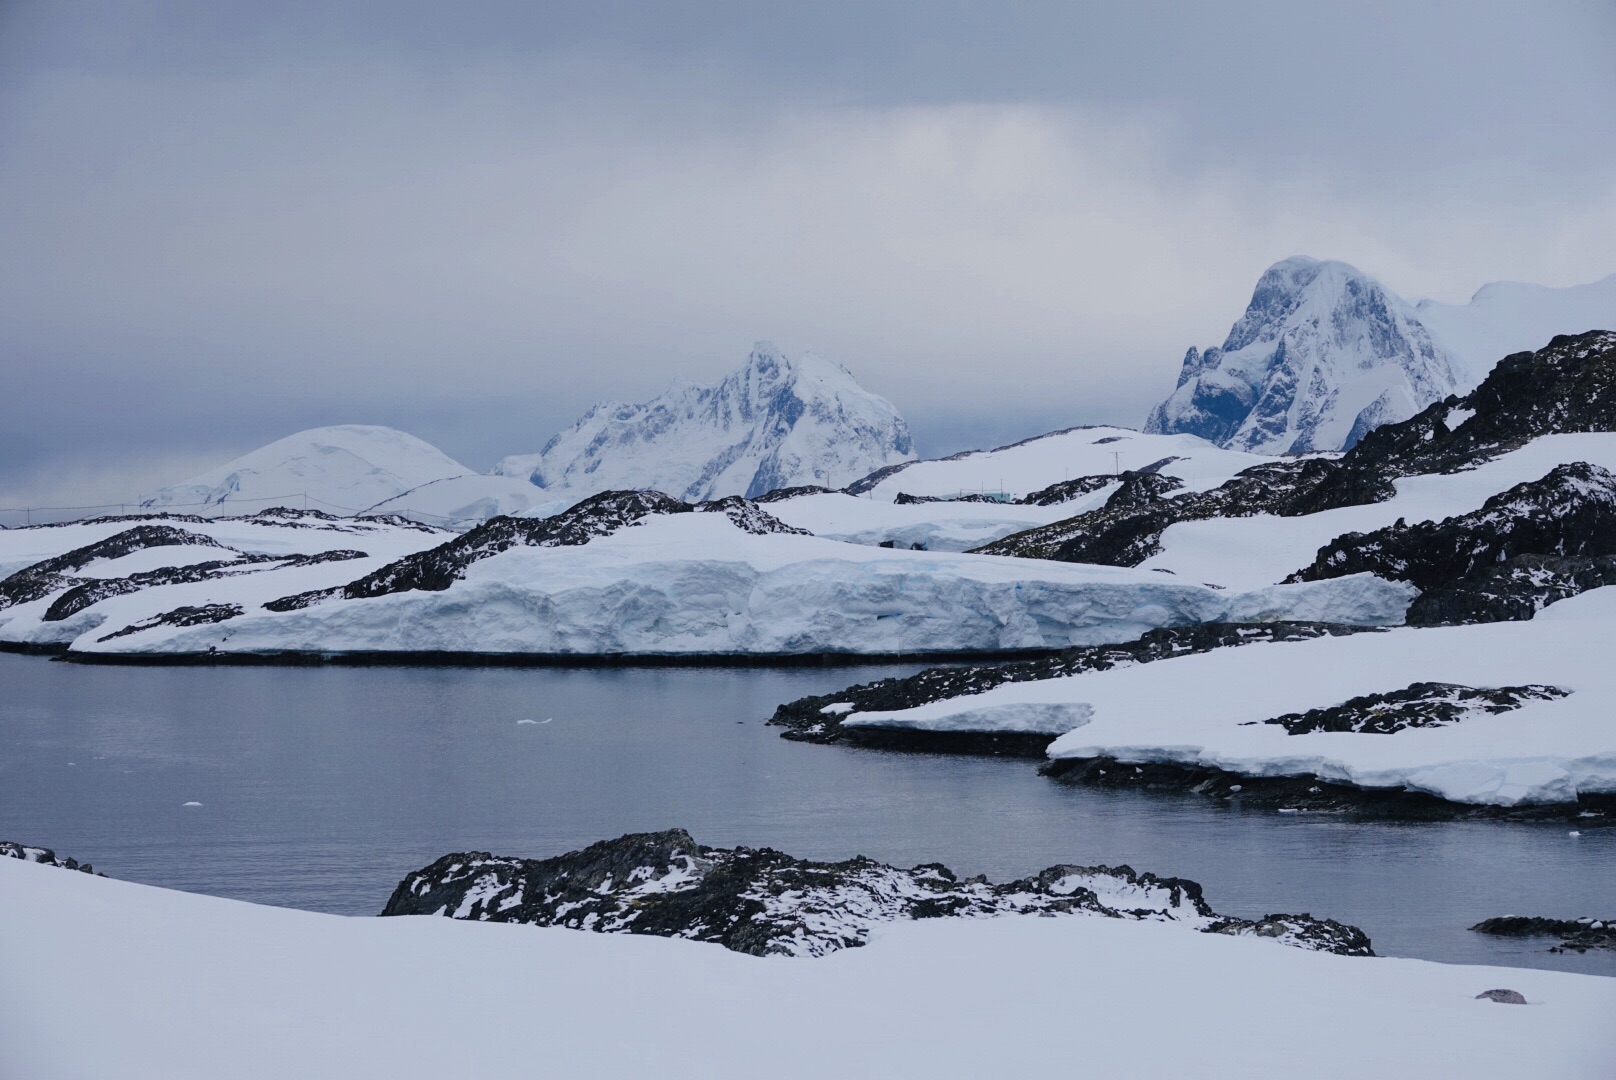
(693, 584)
(116, 979)
(935, 526)
(1207, 709)
(1034, 464)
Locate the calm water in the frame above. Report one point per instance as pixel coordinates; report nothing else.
(321, 787)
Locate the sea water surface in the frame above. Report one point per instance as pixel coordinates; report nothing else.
(320, 787)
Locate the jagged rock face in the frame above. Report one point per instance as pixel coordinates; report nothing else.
(1571, 511)
(775, 422)
(1421, 704)
(761, 901)
(1323, 354)
(10, 849)
(1576, 935)
(1514, 591)
(819, 718)
(1067, 490)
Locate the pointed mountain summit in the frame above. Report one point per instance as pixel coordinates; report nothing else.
(774, 422)
(1323, 354)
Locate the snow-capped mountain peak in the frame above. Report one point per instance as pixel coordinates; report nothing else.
(775, 421)
(341, 469)
(1322, 354)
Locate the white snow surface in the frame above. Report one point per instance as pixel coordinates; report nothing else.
(1323, 353)
(774, 422)
(1198, 709)
(118, 979)
(697, 584)
(937, 526)
(1244, 553)
(344, 469)
(1510, 316)
(1033, 464)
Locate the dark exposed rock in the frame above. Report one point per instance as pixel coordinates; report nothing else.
(1568, 386)
(10, 849)
(1310, 794)
(781, 494)
(903, 498)
(762, 901)
(600, 515)
(1515, 590)
(806, 720)
(1571, 511)
(50, 575)
(1421, 704)
(1576, 935)
(1067, 490)
(180, 616)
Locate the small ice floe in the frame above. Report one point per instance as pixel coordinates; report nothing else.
(1574, 832)
(193, 803)
(1289, 810)
(546, 720)
(1234, 787)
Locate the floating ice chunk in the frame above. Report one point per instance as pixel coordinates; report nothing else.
(191, 804)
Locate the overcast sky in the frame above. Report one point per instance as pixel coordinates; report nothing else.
(222, 223)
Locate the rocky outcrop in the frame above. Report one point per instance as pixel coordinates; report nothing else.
(1515, 590)
(1576, 935)
(1421, 704)
(1067, 490)
(190, 615)
(51, 575)
(1311, 794)
(29, 853)
(600, 515)
(1571, 511)
(761, 901)
(819, 718)
(1568, 386)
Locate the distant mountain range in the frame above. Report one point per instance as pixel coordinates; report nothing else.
(1325, 353)
(773, 422)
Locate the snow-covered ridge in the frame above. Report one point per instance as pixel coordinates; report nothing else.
(775, 422)
(344, 469)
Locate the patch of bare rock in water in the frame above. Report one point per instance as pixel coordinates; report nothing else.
(765, 902)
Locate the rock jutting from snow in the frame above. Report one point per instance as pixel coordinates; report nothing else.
(1576, 935)
(775, 422)
(764, 902)
(820, 718)
(1422, 704)
(1568, 386)
(10, 849)
(1516, 589)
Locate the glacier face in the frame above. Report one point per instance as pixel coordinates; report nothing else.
(1322, 354)
(774, 422)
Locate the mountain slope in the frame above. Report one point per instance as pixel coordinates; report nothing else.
(775, 422)
(1508, 317)
(341, 469)
(1322, 354)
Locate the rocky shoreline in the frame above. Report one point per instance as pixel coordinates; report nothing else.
(764, 902)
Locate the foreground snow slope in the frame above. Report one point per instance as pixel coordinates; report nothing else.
(116, 979)
(1028, 466)
(694, 583)
(774, 422)
(1209, 709)
(344, 469)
